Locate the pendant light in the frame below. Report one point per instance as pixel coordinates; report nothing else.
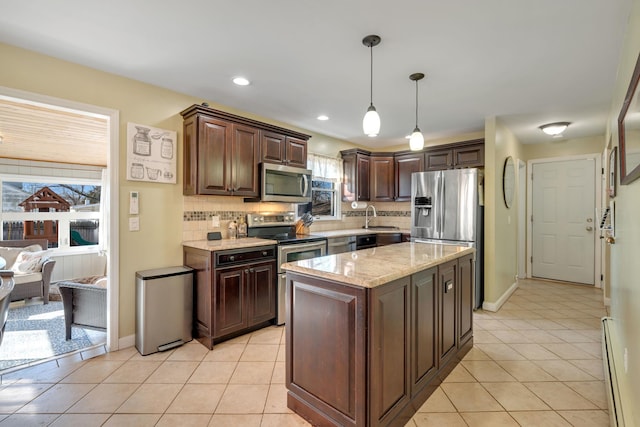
(416, 141)
(371, 121)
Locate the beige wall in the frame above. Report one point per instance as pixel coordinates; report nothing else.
(158, 243)
(563, 147)
(625, 253)
(500, 222)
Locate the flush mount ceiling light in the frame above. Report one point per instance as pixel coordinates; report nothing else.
(323, 117)
(241, 81)
(371, 121)
(416, 140)
(555, 129)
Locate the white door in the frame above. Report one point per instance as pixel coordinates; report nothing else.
(563, 224)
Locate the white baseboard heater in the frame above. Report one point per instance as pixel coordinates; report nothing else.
(616, 413)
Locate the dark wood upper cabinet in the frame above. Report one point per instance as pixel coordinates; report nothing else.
(382, 178)
(244, 159)
(470, 156)
(405, 165)
(296, 150)
(222, 151)
(385, 177)
(437, 160)
(284, 150)
(356, 179)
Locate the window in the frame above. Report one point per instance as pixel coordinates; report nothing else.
(325, 188)
(64, 211)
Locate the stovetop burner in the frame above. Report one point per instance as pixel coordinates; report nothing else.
(277, 226)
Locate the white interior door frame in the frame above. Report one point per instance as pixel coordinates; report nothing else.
(596, 157)
(522, 218)
(113, 243)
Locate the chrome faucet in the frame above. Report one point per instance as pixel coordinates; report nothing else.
(366, 215)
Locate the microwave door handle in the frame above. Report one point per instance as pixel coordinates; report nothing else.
(303, 190)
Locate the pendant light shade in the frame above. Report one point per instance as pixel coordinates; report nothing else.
(416, 141)
(371, 121)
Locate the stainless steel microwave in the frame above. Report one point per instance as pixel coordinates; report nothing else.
(285, 184)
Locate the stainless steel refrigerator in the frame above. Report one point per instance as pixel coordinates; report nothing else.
(445, 208)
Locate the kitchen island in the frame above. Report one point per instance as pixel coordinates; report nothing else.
(371, 334)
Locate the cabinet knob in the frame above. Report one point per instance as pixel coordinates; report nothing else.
(232, 258)
(246, 271)
(265, 253)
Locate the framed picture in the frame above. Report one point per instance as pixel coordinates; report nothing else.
(613, 175)
(151, 154)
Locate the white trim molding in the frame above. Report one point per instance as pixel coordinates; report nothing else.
(113, 193)
(495, 306)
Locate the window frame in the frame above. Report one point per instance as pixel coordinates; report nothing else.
(335, 202)
(64, 218)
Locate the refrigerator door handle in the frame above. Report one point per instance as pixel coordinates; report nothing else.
(441, 203)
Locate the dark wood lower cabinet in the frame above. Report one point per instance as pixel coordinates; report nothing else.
(372, 356)
(234, 299)
(424, 322)
(466, 274)
(447, 287)
(326, 366)
(389, 335)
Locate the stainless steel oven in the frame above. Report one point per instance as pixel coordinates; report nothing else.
(289, 252)
(280, 226)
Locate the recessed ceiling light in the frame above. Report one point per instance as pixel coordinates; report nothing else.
(323, 117)
(241, 81)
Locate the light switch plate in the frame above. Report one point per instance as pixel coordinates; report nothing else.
(134, 223)
(215, 221)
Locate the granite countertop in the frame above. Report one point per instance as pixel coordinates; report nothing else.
(359, 231)
(224, 244)
(373, 267)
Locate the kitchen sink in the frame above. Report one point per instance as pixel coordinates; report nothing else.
(382, 227)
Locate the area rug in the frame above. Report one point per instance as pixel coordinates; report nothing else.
(36, 331)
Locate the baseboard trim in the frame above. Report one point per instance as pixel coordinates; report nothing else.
(495, 306)
(620, 407)
(128, 341)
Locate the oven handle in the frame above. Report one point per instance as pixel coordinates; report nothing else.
(298, 246)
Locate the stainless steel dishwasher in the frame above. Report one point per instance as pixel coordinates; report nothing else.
(338, 245)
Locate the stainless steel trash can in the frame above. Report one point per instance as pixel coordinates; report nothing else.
(164, 307)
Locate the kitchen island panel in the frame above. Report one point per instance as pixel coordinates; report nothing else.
(402, 336)
(390, 349)
(327, 368)
(424, 323)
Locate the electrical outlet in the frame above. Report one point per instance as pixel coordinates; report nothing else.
(215, 221)
(626, 361)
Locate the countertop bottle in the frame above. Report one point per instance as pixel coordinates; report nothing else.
(242, 228)
(233, 230)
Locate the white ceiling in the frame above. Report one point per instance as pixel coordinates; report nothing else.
(526, 62)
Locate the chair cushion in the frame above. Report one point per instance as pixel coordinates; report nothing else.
(10, 254)
(27, 278)
(30, 262)
(98, 281)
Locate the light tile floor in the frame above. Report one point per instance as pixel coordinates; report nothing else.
(536, 362)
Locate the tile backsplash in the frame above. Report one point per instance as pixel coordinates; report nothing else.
(199, 211)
